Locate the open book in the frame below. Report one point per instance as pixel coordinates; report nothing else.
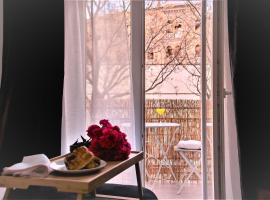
(36, 165)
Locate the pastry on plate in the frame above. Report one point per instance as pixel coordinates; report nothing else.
(79, 158)
(95, 162)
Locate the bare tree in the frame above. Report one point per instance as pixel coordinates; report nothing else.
(173, 42)
(107, 51)
(172, 39)
(107, 56)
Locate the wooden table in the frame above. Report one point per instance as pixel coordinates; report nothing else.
(77, 184)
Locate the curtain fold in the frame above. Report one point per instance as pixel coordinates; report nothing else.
(32, 79)
(251, 86)
(232, 169)
(1, 38)
(232, 23)
(232, 161)
(97, 70)
(73, 118)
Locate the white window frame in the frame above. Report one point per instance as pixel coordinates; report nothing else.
(137, 64)
(218, 100)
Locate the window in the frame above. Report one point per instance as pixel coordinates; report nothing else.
(178, 26)
(170, 21)
(197, 24)
(114, 53)
(150, 55)
(197, 50)
(178, 30)
(169, 51)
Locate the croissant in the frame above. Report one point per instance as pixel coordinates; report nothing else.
(95, 162)
(79, 158)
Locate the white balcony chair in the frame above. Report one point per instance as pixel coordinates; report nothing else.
(186, 146)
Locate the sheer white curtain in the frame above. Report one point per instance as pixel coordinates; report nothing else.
(98, 79)
(73, 117)
(232, 170)
(108, 69)
(108, 65)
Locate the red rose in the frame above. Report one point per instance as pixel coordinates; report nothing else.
(108, 142)
(94, 131)
(95, 148)
(105, 123)
(116, 128)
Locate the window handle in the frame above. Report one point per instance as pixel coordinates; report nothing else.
(226, 93)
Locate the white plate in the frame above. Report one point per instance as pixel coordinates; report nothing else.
(59, 166)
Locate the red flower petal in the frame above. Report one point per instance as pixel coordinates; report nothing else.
(108, 142)
(105, 123)
(94, 131)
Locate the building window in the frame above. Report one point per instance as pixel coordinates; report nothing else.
(178, 30)
(178, 26)
(177, 50)
(197, 24)
(197, 50)
(170, 21)
(169, 51)
(150, 55)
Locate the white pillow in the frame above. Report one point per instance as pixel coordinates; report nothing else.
(189, 144)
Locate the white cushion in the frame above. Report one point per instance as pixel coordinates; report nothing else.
(189, 144)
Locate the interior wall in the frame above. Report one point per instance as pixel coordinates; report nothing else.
(252, 98)
(32, 79)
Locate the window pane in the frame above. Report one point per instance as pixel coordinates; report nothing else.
(172, 86)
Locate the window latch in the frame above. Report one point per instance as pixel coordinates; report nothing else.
(226, 93)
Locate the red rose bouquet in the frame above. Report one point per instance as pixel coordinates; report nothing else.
(108, 142)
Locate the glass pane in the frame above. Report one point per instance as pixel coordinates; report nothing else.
(172, 91)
